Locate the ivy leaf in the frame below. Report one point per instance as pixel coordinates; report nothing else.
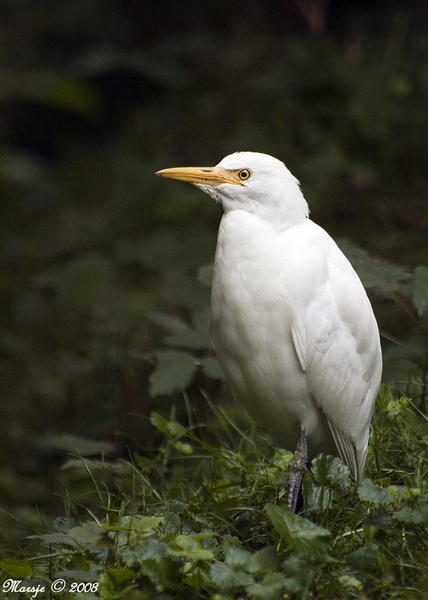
(120, 575)
(18, 569)
(189, 546)
(299, 533)
(92, 574)
(329, 470)
(264, 560)
(227, 578)
(271, 588)
(365, 559)
(370, 492)
(236, 557)
(374, 272)
(212, 368)
(181, 334)
(87, 535)
(412, 516)
(141, 526)
(183, 289)
(174, 372)
(168, 322)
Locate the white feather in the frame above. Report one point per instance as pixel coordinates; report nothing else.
(292, 325)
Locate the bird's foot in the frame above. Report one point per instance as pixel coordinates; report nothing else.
(296, 471)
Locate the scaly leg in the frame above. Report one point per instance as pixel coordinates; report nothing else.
(296, 470)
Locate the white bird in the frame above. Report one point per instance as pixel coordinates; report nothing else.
(292, 325)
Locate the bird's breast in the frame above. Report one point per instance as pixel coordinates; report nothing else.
(252, 317)
(249, 298)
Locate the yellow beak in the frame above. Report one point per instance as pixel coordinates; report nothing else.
(201, 175)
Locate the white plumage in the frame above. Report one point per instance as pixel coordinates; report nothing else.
(292, 325)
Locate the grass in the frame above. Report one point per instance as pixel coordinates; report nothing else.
(205, 517)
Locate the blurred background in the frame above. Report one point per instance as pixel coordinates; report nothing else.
(104, 267)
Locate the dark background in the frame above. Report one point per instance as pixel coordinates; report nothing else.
(95, 96)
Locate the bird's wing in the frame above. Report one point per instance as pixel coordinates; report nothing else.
(336, 340)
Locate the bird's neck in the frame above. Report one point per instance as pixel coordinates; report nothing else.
(244, 238)
(251, 219)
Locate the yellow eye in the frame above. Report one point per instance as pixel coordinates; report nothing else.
(244, 174)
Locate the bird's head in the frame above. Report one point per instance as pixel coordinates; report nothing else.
(249, 181)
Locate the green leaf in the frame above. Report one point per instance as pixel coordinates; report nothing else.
(118, 577)
(163, 572)
(390, 405)
(236, 557)
(212, 368)
(383, 521)
(369, 492)
(205, 274)
(167, 426)
(108, 588)
(159, 422)
(152, 549)
(412, 516)
(373, 271)
(299, 575)
(227, 578)
(169, 322)
(87, 534)
(142, 526)
(420, 289)
(174, 372)
(18, 569)
(299, 533)
(183, 335)
(396, 407)
(184, 448)
(365, 559)
(329, 470)
(183, 289)
(351, 583)
(271, 588)
(79, 574)
(176, 429)
(189, 546)
(317, 497)
(264, 560)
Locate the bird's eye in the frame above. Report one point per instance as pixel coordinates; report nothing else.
(244, 174)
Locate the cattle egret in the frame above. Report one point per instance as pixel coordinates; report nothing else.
(292, 325)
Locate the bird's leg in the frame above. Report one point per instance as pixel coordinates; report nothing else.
(296, 470)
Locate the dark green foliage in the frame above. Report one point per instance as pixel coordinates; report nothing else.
(204, 521)
(104, 325)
